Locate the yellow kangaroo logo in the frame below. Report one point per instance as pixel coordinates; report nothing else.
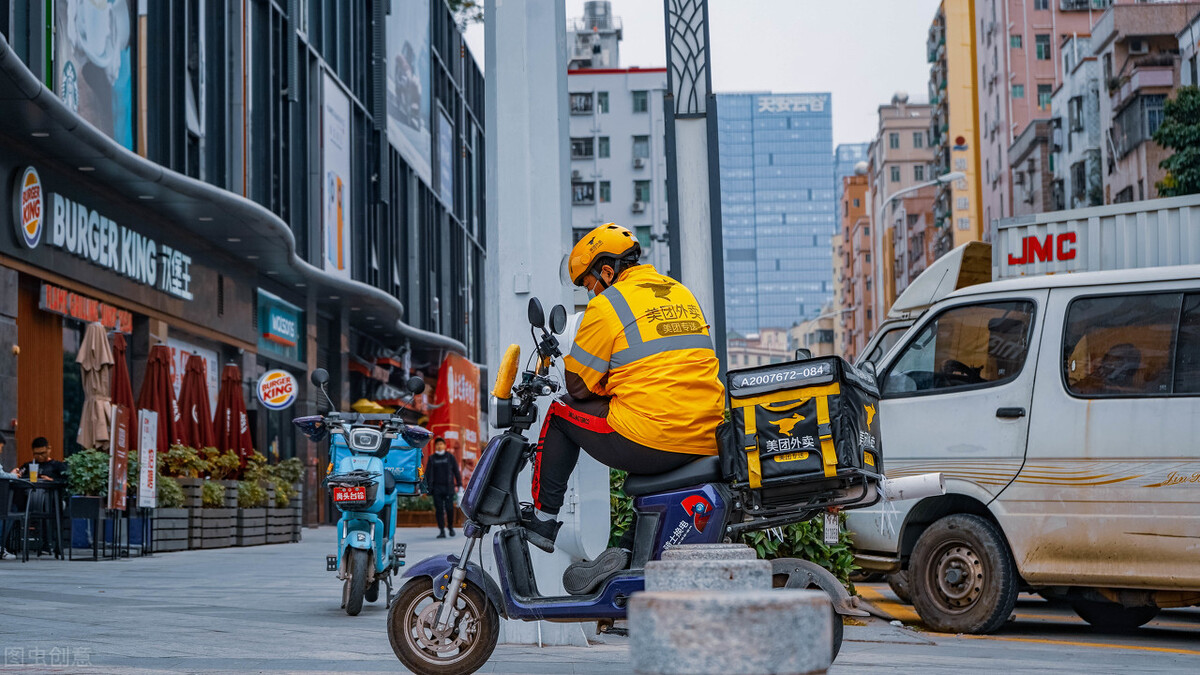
(870, 410)
(661, 291)
(787, 425)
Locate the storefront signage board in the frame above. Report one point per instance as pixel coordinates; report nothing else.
(277, 389)
(147, 459)
(58, 300)
(118, 457)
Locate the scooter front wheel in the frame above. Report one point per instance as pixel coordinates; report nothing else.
(462, 647)
(356, 585)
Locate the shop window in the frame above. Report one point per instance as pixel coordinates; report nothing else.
(1123, 345)
(965, 346)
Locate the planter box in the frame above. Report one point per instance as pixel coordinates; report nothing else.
(425, 518)
(191, 492)
(281, 524)
(213, 528)
(171, 527)
(231, 493)
(251, 527)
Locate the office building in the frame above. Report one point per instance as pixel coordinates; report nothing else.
(777, 206)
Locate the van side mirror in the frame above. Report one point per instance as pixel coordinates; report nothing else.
(868, 367)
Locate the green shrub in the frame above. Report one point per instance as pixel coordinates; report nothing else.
(283, 494)
(620, 507)
(421, 503)
(221, 465)
(289, 470)
(87, 473)
(169, 494)
(212, 495)
(256, 467)
(251, 495)
(181, 461)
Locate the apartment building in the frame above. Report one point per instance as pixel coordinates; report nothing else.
(854, 270)
(1075, 127)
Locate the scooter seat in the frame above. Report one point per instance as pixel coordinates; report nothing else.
(703, 470)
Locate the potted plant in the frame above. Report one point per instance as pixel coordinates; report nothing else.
(252, 514)
(171, 519)
(186, 466)
(212, 524)
(415, 511)
(87, 482)
(223, 468)
(286, 477)
(256, 470)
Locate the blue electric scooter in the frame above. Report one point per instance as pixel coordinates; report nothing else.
(445, 619)
(374, 459)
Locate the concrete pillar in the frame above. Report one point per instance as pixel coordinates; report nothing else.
(710, 552)
(708, 575)
(527, 173)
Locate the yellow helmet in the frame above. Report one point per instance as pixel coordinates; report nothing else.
(607, 241)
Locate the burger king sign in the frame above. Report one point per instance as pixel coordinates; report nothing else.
(30, 206)
(277, 389)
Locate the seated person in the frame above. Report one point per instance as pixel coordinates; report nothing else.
(48, 469)
(643, 390)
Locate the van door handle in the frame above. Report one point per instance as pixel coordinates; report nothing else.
(1010, 413)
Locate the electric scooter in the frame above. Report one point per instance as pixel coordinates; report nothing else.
(446, 617)
(373, 460)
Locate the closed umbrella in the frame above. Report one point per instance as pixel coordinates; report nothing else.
(196, 427)
(158, 395)
(232, 425)
(96, 360)
(122, 390)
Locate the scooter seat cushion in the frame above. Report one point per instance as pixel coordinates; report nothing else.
(703, 470)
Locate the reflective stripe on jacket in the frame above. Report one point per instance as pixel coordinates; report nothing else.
(644, 342)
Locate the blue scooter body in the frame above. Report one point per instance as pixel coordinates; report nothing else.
(372, 527)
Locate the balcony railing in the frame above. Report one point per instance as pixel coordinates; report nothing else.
(1143, 77)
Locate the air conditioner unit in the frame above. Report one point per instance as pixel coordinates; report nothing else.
(1139, 47)
(575, 175)
(639, 163)
(639, 207)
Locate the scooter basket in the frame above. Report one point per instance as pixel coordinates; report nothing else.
(801, 427)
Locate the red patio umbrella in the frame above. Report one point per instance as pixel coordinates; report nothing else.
(122, 390)
(232, 425)
(195, 427)
(158, 395)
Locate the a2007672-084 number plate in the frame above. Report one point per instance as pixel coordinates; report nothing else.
(349, 494)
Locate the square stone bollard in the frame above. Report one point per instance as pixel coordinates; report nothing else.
(710, 552)
(767, 632)
(708, 575)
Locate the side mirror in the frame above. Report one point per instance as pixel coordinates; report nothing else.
(537, 316)
(320, 376)
(868, 367)
(558, 319)
(802, 354)
(415, 384)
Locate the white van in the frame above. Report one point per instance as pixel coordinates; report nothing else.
(1064, 411)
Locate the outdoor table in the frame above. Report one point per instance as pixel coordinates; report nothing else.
(54, 493)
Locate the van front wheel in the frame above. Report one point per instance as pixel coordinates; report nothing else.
(962, 576)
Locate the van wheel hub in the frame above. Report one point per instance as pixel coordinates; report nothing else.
(959, 575)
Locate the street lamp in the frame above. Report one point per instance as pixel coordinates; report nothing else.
(877, 235)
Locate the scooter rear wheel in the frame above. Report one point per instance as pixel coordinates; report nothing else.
(461, 648)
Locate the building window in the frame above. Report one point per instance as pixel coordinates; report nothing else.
(1154, 113)
(918, 139)
(857, 201)
(1018, 91)
(1041, 4)
(895, 174)
(918, 173)
(581, 148)
(641, 147)
(583, 193)
(602, 150)
(866, 233)
(1014, 41)
(641, 190)
(894, 140)
(641, 102)
(1075, 113)
(1044, 94)
(581, 104)
(605, 192)
(602, 101)
(1042, 44)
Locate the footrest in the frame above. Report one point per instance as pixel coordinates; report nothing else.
(400, 550)
(331, 563)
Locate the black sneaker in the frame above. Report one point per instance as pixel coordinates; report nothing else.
(585, 576)
(540, 533)
(452, 532)
(441, 534)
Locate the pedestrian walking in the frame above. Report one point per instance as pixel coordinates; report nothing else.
(442, 479)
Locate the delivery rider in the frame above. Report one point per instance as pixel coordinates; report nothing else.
(643, 391)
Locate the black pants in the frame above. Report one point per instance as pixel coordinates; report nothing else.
(571, 425)
(443, 508)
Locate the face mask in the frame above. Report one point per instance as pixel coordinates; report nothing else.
(440, 452)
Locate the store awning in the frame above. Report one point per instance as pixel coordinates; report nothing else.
(37, 121)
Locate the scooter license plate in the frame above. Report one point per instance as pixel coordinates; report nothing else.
(349, 495)
(831, 528)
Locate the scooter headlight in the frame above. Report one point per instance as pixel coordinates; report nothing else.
(365, 439)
